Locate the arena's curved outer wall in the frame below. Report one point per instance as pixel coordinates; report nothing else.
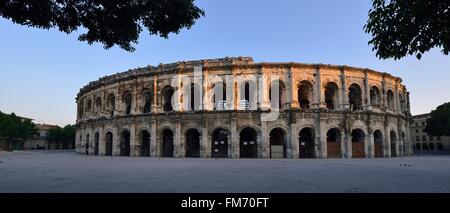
(232, 107)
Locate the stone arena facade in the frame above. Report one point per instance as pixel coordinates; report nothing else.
(235, 108)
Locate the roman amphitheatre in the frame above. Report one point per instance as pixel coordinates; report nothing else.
(236, 108)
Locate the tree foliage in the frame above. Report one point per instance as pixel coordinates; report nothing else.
(110, 22)
(408, 27)
(65, 134)
(439, 122)
(15, 128)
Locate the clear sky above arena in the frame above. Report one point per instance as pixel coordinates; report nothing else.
(43, 70)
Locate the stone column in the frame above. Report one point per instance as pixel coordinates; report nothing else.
(294, 97)
(116, 142)
(343, 145)
(319, 90)
(289, 138)
(177, 151)
(288, 101)
(344, 99)
(204, 148)
(293, 145)
(322, 137)
(371, 145)
(348, 144)
(154, 140)
(101, 142)
(265, 145)
(155, 95)
(230, 96)
(233, 144)
(134, 144)
(264, 85)
(259, 142)
(366, 91)
(383, 94)
(396, 99)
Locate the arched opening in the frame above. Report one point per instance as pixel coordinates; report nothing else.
(220, 96)
(167, 143)
(403, 149)
(355, 97)
(306, 140)
(192, 143)
(125, 143)
(144, 136)
(193, 100)
(127, 100)
(81, 108)
(111, 104)
(219, 147)
(108, 144)
(98, 104)
(331, 95)
(378, 143)
(87, 145)
(334, 143)
(375, 97)
(96, 142)
(358, 140)
(276, 94)
(247, 92)
(390, 100)
(89, 106)
(167, 93)
(305, 94)
(393, 137)
(277, 143)
(147, 101)
(248, 147)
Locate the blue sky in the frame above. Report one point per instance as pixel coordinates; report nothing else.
(41, 71)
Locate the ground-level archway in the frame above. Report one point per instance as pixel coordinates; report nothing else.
(358, 140)
(306, 143)
(192, 143)
(378, 143)
(248, 147)
(87, 144)
(167, 143)
(144, 138)
(334, 143)
(219, 146)
(125, 140)
(277, 143)
(108, 144)
(393, 140)
(96, 142)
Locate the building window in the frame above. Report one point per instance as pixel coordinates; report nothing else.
(425, 146)
(423, 123)
(431, 138)
(438, 138)
(424, 138)
(417, 130)
(432, 146)
(417, 146)
(439, 146)
(423, 130)
(417, 138)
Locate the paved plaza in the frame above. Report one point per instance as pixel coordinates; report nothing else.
(66, 171)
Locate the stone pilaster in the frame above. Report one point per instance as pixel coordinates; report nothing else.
(154, 146)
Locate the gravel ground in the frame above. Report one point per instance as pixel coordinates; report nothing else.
(66, 171)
